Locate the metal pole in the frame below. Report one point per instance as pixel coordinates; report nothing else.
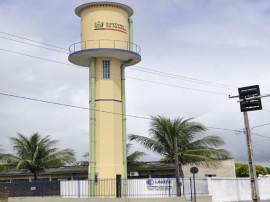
(252, 171)
(130, 35)
(183, 184)
(177, 173)
(92, 161)
(190, 182)
(194, 187)
(170, 188)
(124, 120)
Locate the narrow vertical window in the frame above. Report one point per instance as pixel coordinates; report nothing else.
(106, 69)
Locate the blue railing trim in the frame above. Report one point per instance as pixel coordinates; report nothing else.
(108, 49)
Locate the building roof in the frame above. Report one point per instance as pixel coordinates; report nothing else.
(158, 166)
(83, 169)
(61, 170)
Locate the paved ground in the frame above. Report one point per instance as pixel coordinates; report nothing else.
(251, 201)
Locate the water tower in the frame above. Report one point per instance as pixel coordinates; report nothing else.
(107, 48)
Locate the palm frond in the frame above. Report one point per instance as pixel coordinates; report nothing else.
(149, 143)
(212, 140)
(201, 160)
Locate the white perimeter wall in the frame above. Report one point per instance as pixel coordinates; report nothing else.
(223, 190)
(57, 199)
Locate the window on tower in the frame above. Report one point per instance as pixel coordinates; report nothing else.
(106, 69)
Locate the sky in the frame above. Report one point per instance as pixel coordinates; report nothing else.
(212, 47)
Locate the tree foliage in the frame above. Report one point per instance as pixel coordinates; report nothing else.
(192, 149)
(261, 170)
(35, 154)
(268, 170)
(133, 163)
(242, 170)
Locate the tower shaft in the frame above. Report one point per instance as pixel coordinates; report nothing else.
(108, 123)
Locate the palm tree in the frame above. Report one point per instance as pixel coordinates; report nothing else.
(133, 163)
(35, 154)
(83, 163)
(192, 150)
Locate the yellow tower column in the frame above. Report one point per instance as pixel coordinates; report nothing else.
(109, 156)
(106, 48)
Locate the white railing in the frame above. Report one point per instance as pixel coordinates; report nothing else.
(104, 44)
(221, 189)
(137, 188)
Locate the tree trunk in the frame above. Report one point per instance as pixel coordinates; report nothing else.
(181, 170)
(35, 176)
(177, 172)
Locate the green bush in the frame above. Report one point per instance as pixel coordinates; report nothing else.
(242, 170)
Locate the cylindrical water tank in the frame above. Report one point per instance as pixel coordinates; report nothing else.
(104, 25)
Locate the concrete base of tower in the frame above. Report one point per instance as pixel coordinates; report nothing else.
(82, 57)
